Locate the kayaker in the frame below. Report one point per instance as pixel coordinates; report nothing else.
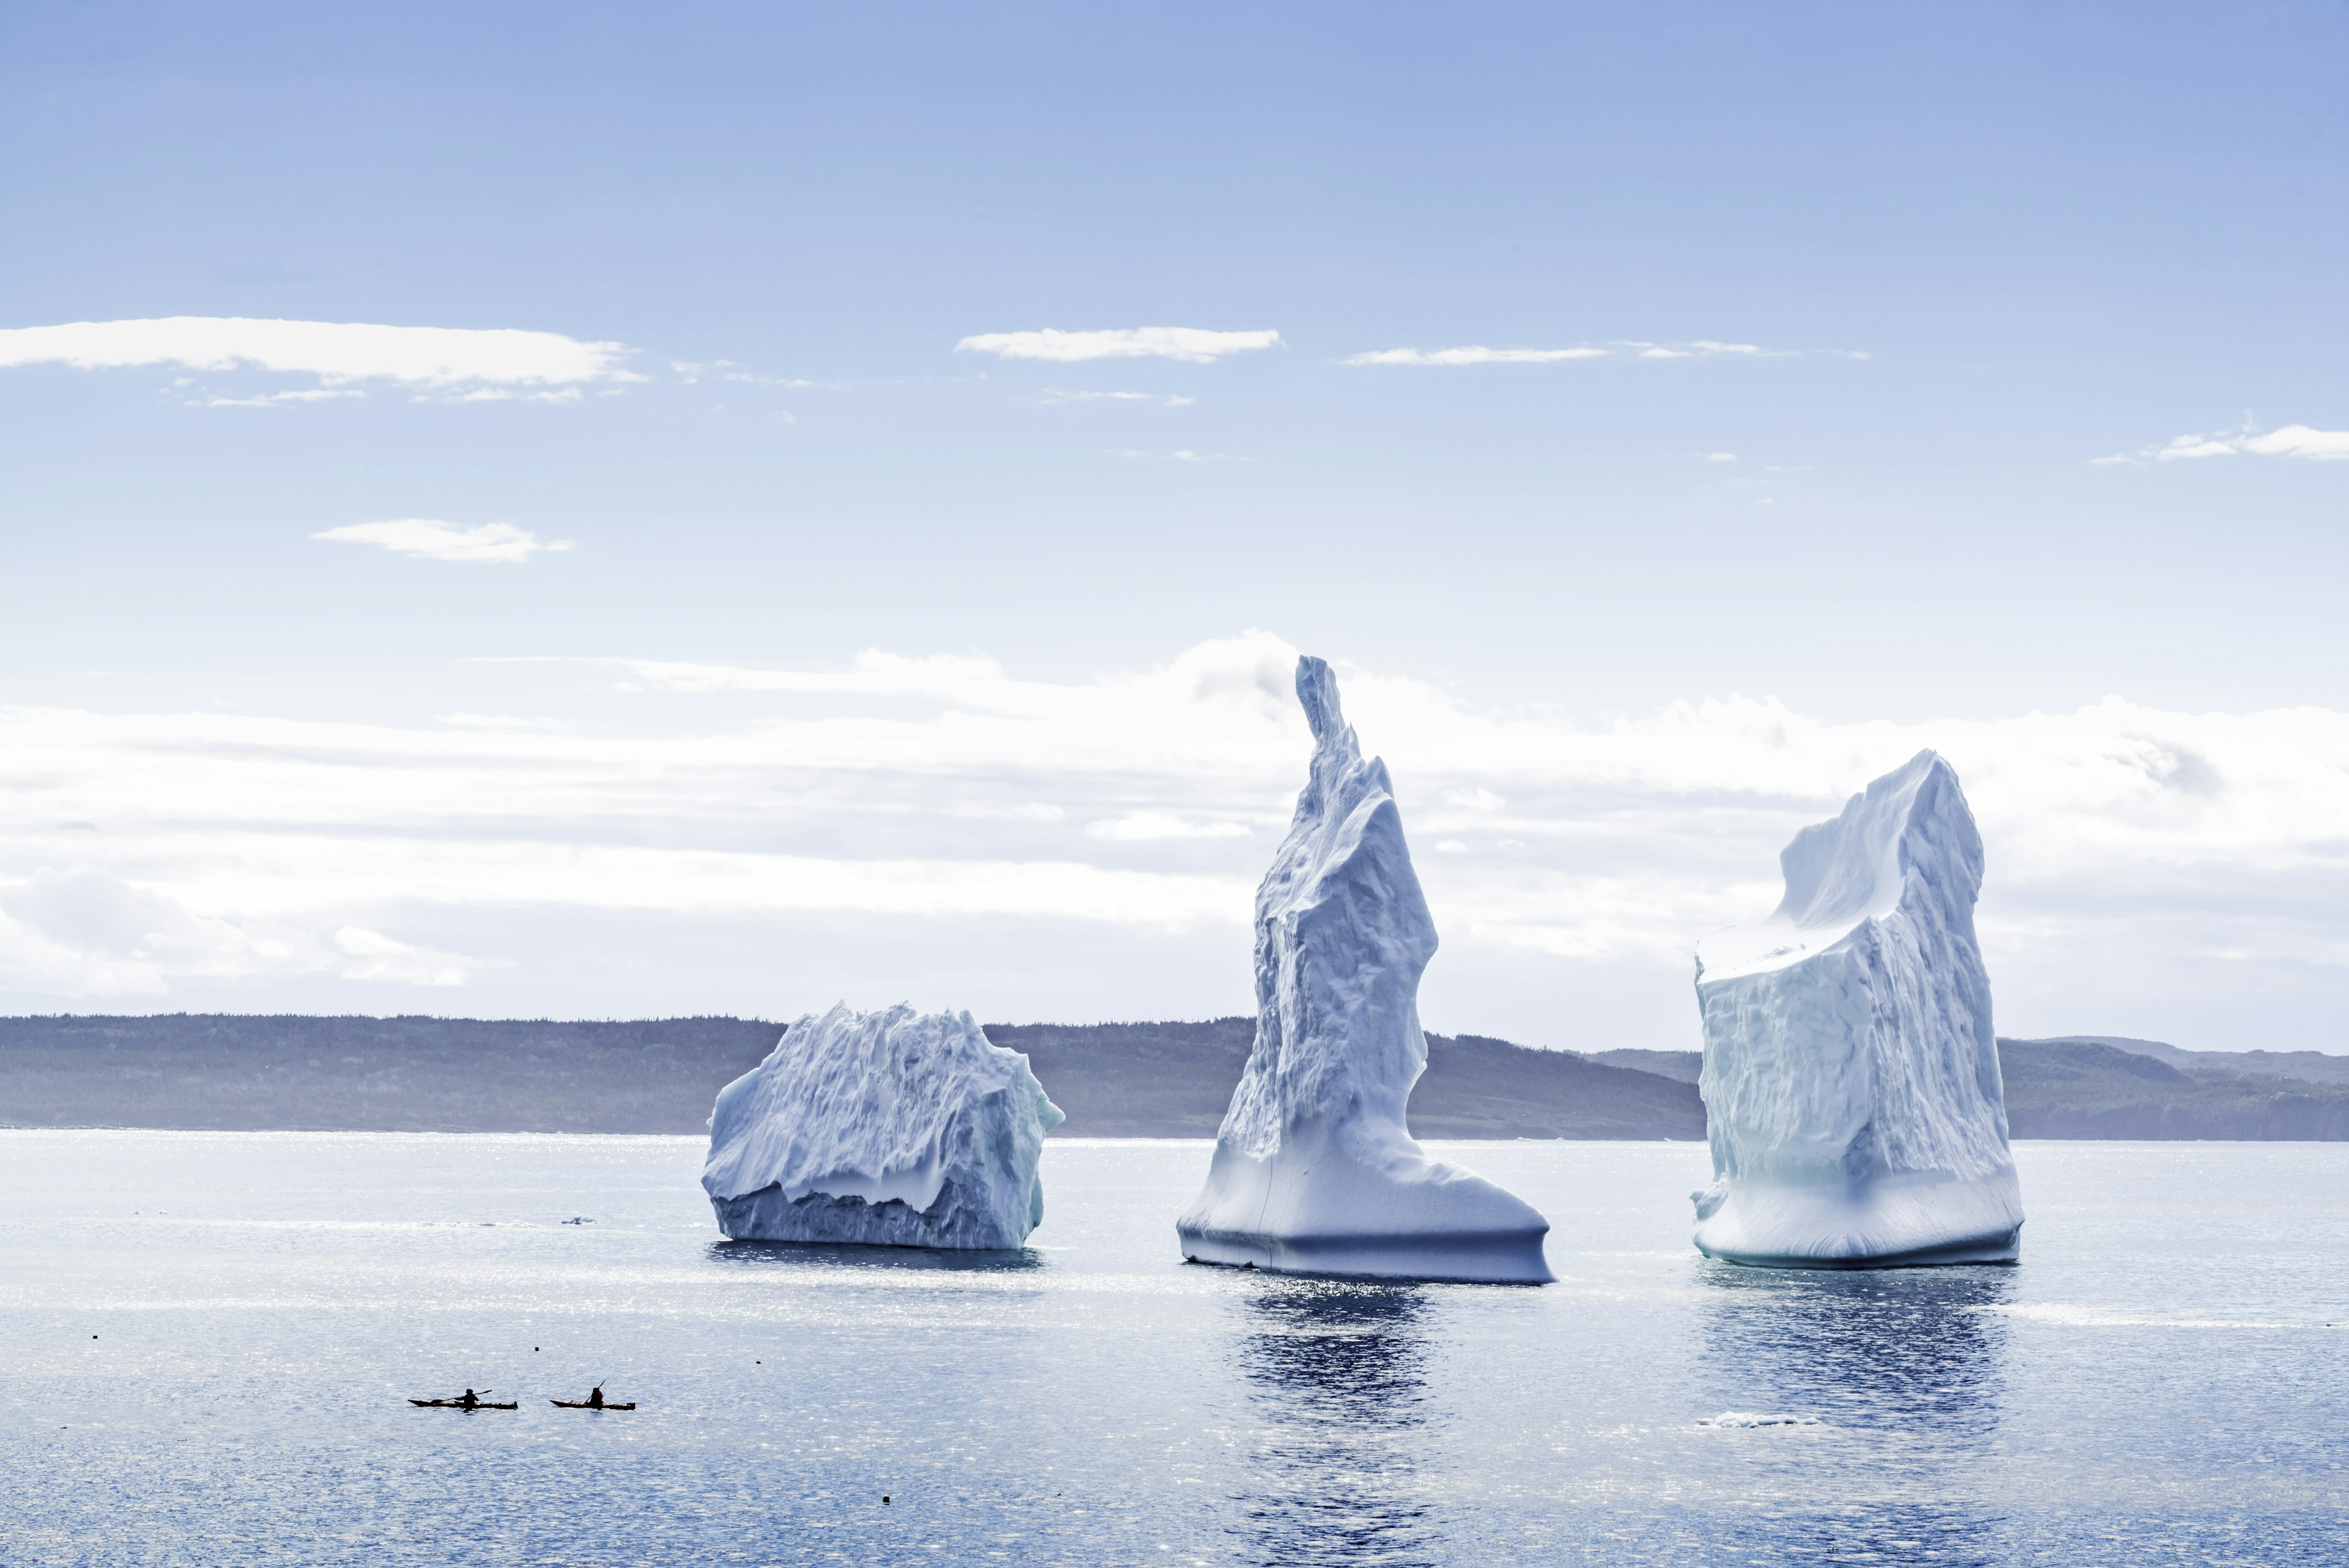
(595, 1398)
(469, 1400)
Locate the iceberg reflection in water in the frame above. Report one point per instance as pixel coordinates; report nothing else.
(1907, 1364)
(1911, 1348)
(1336, 1372)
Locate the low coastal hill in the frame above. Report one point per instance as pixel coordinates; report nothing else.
(1173, 1079)
(2088, 1088)
(2109, 1086)
(2307, 1066)
(229, 1072)
(226, 1072)
(1176, 1080)
(1679, 1065)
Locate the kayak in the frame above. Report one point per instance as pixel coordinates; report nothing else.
(461, 1405)
(583, 1405)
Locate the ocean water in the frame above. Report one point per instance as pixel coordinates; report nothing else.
(207, 1342)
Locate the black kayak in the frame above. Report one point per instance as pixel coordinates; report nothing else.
(461, 1405)
(584, 1405)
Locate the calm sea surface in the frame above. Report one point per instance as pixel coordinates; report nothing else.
(207, 1340)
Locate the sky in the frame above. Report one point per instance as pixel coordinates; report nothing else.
(591, 510)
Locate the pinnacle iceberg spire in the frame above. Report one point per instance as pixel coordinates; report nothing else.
(1851, 1079)
(1315, 1170)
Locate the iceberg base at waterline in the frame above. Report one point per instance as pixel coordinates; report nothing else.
(950, 1219)
(1500, 1259)
(891, 1129)
(1316, 1211)
(1908, 1219)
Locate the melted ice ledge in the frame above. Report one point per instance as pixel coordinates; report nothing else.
(1851, 1080)
(895, 1127)
(1314, 1169)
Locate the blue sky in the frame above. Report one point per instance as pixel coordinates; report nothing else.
(1945, 260)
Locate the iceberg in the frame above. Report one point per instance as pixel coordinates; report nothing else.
(1315, 1170)
(1851, 1082)
(895, 1128)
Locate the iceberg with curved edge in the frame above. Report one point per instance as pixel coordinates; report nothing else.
(895, 1128)
(1314, 1169)
(1851, 1083)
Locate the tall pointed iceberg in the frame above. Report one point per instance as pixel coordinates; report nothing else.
(1851, 1083)
(1315, 1170)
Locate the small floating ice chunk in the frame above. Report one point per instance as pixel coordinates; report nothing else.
(1744, 1419)
(1851, 1080)
(895, 1128)
(1315, 1170)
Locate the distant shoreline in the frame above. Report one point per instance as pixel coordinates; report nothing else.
(295, 1073)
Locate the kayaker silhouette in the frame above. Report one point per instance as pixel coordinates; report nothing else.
(469, 1400)
(594, 1401)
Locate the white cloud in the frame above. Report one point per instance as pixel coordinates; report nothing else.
(507, 395)
(2292, 441)
(1057, 395)
(1721, 457)
(2127, 846)
(83, 932)
(76, 931)
(438, 358)
(371, 955)
(1193, 345)
(1476, 354)
(1473, 355)
(1006, 811)
(268, 400)
(1180, 454)
(691, 373)
(434, 540)
(498, 722)
(1053, 396)
(872, 674)
(1702, 346)
(1149, 826)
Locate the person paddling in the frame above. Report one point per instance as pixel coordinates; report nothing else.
(594, 1401)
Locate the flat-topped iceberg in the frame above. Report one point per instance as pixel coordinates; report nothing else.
(1851, 1083)
(896, 1128)
(1314, 1169)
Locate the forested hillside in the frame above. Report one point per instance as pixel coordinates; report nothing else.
(412, 1074)
(1168, 1080)
(1114, 1080)
(1174, 1080)
(2107, 1086)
